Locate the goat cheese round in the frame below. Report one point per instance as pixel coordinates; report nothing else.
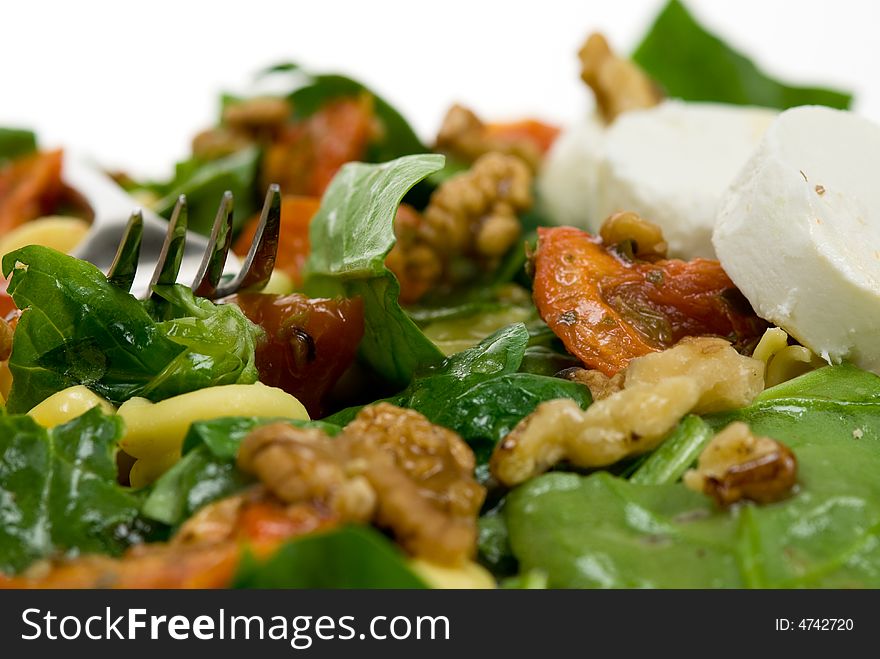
(670, 163)
(799, 232)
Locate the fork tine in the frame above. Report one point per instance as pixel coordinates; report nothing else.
(125, 263)
(171, 255)
(257, 266)
(211, 269)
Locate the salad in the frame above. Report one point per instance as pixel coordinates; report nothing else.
(638, 351)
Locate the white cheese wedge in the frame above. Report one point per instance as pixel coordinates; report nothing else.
(567, 181)
(670, 164)
(799, 232)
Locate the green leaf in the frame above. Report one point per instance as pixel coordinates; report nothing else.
(350, 557)
(350, 236)
(204, 182)
(603, 531)
(219, 342)
(77, 328)
(695, 65)
(58, 491)
(207, 471)
(16, 142)
(478, 392)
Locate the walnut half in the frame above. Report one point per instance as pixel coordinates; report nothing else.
(703, 374)
(390, 466)
(738, 465)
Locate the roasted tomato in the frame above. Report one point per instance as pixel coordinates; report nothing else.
(540, 134)
(609, 309)
(308, 154)
(293, 241)
(309, 342)
(29, 188)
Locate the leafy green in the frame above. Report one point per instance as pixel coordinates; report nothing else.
(603, 531)
(493, 543)
(350, 557)
(676, 454)
(58, 490)
(77, 328)
(695, 65)
(478, 392)
(207, 470)
(219, 342)
(309, 92)
(204, 182)
(599, 531)
(15, 142)
(350, 236)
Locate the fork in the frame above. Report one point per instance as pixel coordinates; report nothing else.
(151, 251)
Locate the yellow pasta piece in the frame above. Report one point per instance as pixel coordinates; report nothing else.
(783, 362)
(68, 404)
(55, 231)
(774, 340)
(470, 575)
(789, 363)
(156, 429)
(146, 470)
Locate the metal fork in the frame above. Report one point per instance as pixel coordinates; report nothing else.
(150, 251)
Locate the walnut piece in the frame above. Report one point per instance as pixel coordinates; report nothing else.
(646, 237)
(390, 465)
(618, 83)
(472, 215)
(464, 135)
(697, 375)
(738, 465)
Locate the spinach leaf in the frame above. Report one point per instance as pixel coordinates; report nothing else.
(695, 65)
(350, 557)
(350, 236)
(58, 490)
(77, 328)
(15, 142)
(207, 471)
(603, 531)
(219, 342)
(478, 392)
(493, 543)
(599, 531)
(309, 92)
(204, 182)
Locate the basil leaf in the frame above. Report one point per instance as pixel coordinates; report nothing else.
(350, 236)
(58, 491)
(205, 182)
(601, 531)
(77, 328)
(350, 557)
(207, 470)
(693, 64)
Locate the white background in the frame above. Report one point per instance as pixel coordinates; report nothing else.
(131, 82)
